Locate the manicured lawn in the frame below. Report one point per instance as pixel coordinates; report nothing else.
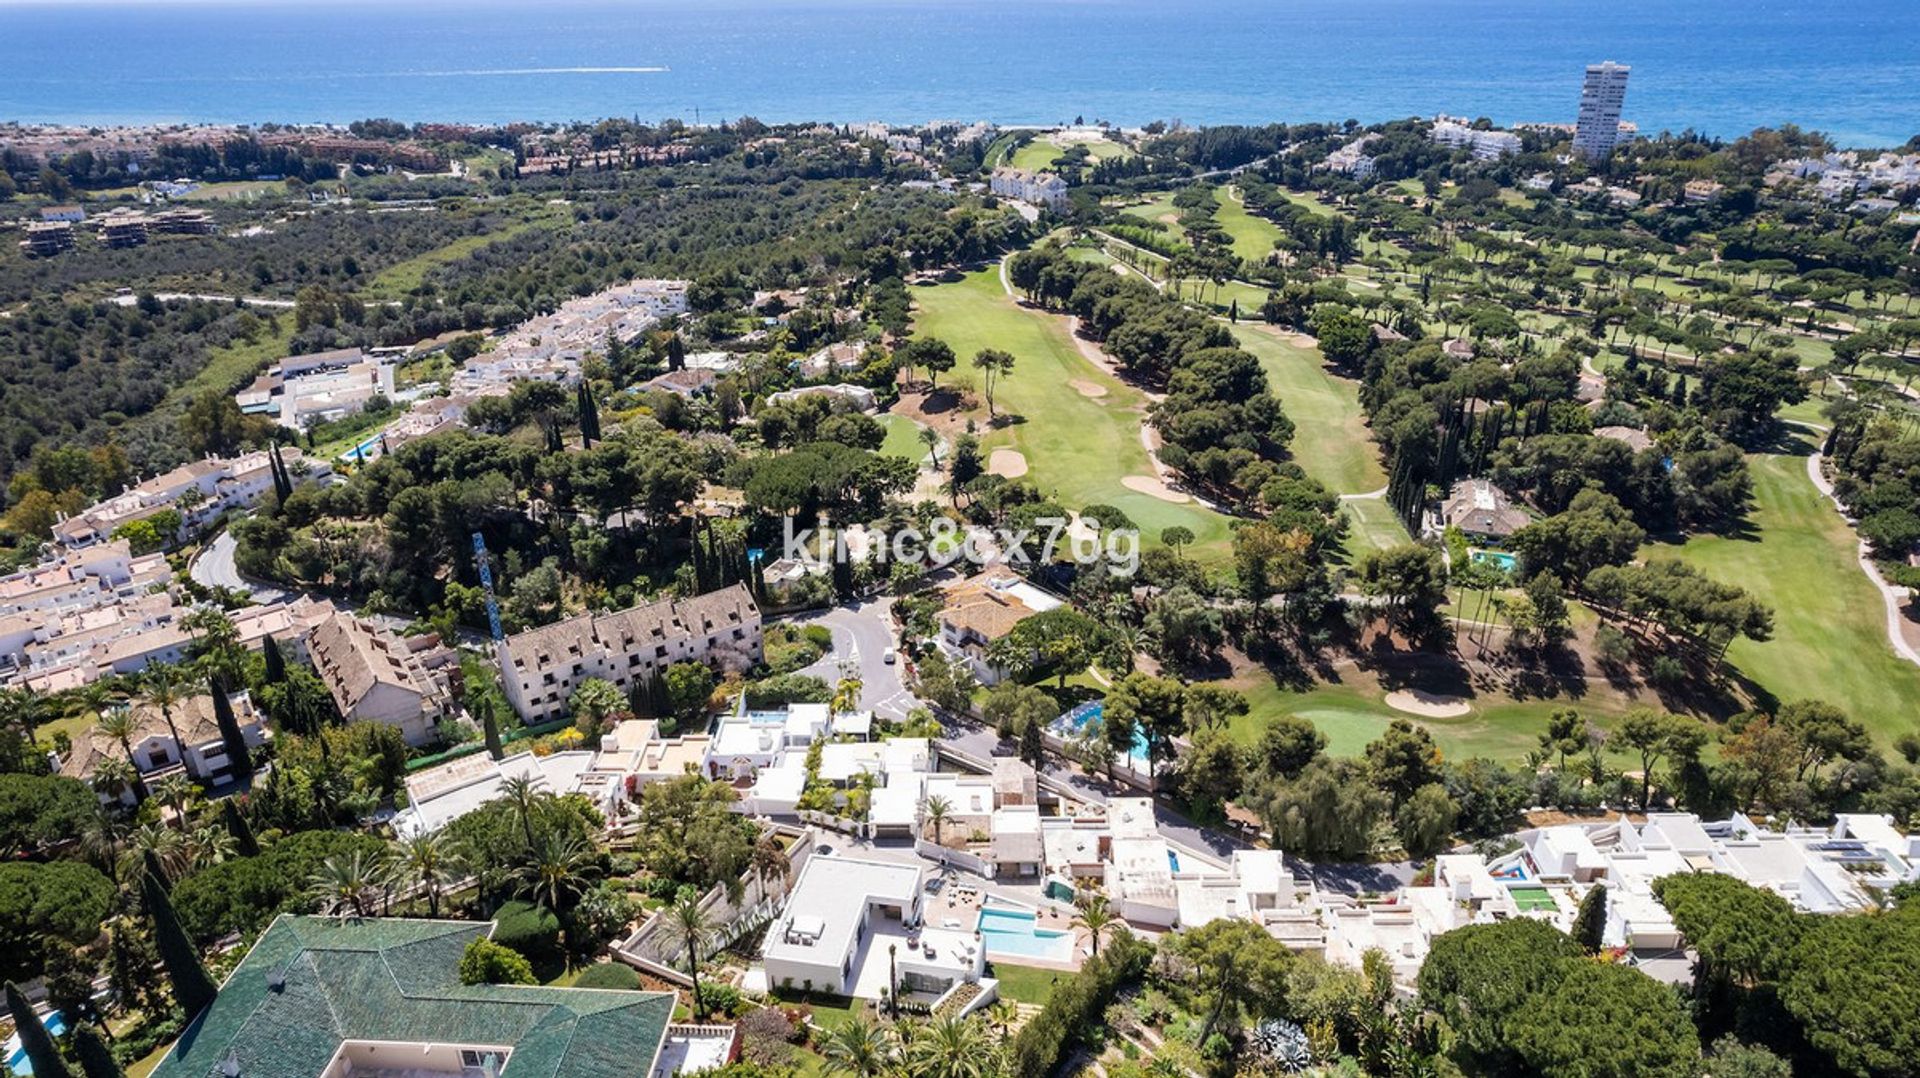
(1039, 153)
(1829, 639)
(903, 438)
(1025, 984)
(1330, 440)
(1371, 525)
(1253, 237)
(1078, 448)
(1160, 208)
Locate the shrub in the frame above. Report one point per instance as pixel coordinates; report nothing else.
(718, 998)
(1077, 1004)
(609, 975)
(531, 930)
(486, 962)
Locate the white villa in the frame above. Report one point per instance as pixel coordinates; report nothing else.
(847, 921)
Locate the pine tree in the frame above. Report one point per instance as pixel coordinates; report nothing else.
(239, 756)
(193, 990)
(491, 726)
(96, 1059)
(276, 663)
(33, 1037)
(1590, 923)
(244, 843)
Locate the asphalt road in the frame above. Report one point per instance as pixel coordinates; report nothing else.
(862, 633)
(215, 568)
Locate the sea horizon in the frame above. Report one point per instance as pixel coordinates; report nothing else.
(1718, 67)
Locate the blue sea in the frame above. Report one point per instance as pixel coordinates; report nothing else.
(1723, 67)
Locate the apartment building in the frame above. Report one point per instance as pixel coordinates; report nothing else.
(541, 667)
(1040, 188)
(375, 675)
(1456, 134)
(1602, 95)
(46, 238)
(1353, 159)
(199, 491)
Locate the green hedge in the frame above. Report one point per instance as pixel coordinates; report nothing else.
(1079, 1004)
(532, 930)
(608, 975)
(507, 737)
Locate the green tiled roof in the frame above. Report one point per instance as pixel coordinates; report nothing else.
(397, 980)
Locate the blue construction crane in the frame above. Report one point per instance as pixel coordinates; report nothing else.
(481, 560)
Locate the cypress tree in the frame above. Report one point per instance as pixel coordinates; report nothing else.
(151, 862)
(491, 726)
(193, 990)
(1590, 923)
(244, 843)
(33, 1037)
(96, 1059)
(676, 353)
(238, 754)
(276, 663)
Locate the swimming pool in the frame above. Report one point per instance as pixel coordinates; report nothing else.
(1009, 933)
(1499, 559)
(1073, 722)
(56, 1024)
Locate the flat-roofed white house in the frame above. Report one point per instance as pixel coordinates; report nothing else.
(847, 920)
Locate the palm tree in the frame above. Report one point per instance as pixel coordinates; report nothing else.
(208, 845)
(175, 792)
(1095, 917)
(1001, 1016)
(423, 859)
(162, 686)
(930, 439)
(938, 810)
(345, 883)
(558, 867)
(858, 1047)
(952, 1047)
(688, 925)
(846, 695)
(111, 775)
(104, 836)
(26, 709)
(163, 842)
(526, 798)
(769, 862)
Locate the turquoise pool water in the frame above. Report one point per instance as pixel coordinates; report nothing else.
(1499, 559)
(56, 1024)
(1070, 724)
(1017, 934)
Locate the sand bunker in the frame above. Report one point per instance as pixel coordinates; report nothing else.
(1088, 389)
(1010, 463)
(1146, 484)
(1428, 705)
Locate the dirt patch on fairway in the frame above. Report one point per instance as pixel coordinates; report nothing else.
(1428, 705)
(1088, 389)
(1146, 484)
(1010, 463)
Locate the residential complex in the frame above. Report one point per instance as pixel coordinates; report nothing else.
(1353, 159)
(1602, 96)
(541, 667)
(350, 998)
(1040, 188)
(1485, 145)
(302, 391)
(98, 610)
(199, 491)
(376, 676)
(551, 347)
